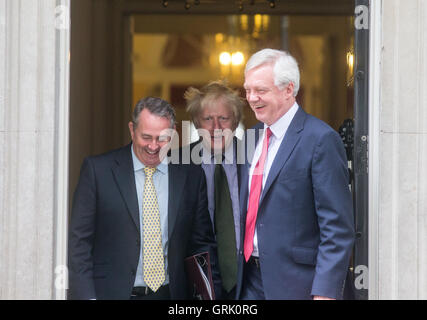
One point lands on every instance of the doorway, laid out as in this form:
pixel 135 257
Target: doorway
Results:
pixel 122 50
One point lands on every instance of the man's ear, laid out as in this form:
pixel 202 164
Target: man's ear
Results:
pixel 290 89
pixel 130 125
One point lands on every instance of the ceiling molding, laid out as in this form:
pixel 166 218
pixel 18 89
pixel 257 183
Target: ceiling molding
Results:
pixel 282 7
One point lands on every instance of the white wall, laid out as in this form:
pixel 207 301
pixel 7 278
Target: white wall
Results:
pixel 33 106
pixel 398 151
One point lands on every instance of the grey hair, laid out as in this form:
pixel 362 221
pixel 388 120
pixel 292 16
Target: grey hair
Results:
pixel 156 106
pixel 285 67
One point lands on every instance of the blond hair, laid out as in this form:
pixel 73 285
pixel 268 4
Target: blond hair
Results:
pixel 197 100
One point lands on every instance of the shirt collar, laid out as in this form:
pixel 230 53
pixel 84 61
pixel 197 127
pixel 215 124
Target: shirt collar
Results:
pixel 280 126
pixel 138 165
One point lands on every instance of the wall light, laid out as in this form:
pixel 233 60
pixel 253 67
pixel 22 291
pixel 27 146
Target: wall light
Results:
pixel 225 58
pixel 350 61
pixel 237 58
pixel 350 66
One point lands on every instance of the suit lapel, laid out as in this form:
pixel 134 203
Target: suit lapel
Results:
pixel 243 191
pixel 237 146
pixel 177 178
pixel 290 140
pixel 125 178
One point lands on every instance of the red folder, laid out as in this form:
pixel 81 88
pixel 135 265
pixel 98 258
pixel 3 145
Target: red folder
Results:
pixel 199 275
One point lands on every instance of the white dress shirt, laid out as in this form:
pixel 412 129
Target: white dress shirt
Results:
pixel 161 184
pixel 278 130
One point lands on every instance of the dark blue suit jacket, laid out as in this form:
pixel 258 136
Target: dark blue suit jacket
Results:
pixel 104 237
pixel 305 218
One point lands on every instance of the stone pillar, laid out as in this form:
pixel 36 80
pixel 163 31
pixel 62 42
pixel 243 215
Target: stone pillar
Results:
pixel 34 41
pixel 398 141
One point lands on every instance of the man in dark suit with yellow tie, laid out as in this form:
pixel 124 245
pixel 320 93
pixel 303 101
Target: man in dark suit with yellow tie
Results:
pixel 135 217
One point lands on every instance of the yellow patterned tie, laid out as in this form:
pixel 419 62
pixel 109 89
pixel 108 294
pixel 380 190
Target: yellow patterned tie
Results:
pixel 154 271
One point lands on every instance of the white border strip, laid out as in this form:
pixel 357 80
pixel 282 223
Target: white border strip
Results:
pixel 62 81
pixel 375 44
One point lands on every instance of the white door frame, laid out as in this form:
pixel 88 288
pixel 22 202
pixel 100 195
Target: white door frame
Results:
pixel 62 152
pixel 62 77
pixel 375 48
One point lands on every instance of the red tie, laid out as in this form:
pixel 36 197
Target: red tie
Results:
pixel 255 193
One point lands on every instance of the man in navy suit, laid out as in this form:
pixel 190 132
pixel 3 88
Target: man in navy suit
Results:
pixel 135 217
pixel 296 207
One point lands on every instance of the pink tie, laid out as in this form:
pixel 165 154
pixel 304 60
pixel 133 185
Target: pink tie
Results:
pixel 256 187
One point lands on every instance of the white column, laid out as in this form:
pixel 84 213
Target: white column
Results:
pixel 33 146
pixel 398 190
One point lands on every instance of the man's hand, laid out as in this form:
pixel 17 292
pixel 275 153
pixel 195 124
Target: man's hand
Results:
pixel 322 298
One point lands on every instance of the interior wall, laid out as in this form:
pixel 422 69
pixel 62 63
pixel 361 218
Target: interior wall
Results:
pixel 80 86
pixel 96 116
pixel 325 42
